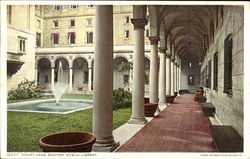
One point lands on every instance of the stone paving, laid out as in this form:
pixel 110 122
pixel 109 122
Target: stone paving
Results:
pixel 181 127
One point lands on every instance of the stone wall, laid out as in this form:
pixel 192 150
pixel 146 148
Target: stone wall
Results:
pixel 229 108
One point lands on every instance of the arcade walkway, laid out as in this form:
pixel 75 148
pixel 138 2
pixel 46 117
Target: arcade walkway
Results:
pixel 181 127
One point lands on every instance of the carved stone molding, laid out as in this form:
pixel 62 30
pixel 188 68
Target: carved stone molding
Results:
pixel 139 23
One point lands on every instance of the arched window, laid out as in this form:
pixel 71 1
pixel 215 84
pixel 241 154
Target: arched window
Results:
pixel 228 49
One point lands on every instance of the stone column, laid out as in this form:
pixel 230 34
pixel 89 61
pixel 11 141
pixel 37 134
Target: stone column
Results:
pixel 89 79
pixel 153 75
pixel 162 77
pixel 168 74
pixel 70 78
pixel 36 74
pixel 179 76
pixel 52 78
pixel 103 80
pixel 172 76
pixel 138 116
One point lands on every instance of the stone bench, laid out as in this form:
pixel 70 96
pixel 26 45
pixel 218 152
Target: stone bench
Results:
pixel 208 109
pixel 226 139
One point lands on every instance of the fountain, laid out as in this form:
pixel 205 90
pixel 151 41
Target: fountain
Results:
pixel 59 87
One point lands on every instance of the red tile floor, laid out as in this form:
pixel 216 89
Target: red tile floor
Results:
pixel 181 127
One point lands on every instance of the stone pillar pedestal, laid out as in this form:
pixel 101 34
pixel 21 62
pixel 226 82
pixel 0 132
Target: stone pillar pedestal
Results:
pixel 172 76
pixel 52 78
pixel 168 74
pixel 70 78
pixel 89 79
pixel 162 77
pixel 103 81
pixel 138 116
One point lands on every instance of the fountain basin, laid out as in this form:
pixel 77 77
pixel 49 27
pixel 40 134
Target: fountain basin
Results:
pixel 49 106
pixel 67 142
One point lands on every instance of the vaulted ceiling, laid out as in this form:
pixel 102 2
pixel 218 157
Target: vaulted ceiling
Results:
pixel 185 27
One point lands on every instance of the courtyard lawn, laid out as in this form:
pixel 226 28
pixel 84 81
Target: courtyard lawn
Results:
pixel 65 96
pixel 25 129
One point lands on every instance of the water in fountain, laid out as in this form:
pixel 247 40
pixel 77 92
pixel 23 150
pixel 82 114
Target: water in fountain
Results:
pixel 59 87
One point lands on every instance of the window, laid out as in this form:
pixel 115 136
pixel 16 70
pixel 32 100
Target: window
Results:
pixel 228 46
pixel 55 38
pixel 38 39
pixel 209 74
pixel 216 71
pixel 22 44
pixel 147 32
pixel 38 23
pixel 71 37
pixel 125 79
pixel 72 22
pixel 89 37
pixel 57 7
pixel 190 79
pixel 73 6
pixel 126 19
pixel 90 6
pixel 36 6
pixel 190 64
pixel 126 33
pixel 89 21
pixel 55 23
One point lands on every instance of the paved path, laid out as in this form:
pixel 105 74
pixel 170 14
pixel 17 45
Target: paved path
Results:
pixel 181 127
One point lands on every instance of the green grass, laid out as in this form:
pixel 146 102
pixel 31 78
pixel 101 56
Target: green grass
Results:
pixel 65 96
pixel 25 129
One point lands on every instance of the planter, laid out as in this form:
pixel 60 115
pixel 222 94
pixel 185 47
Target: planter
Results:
pixel 170 99
pixel 79 88
pixel 50 91
pixel 202 99
pixel 150 109
pixel 175 94
pixel 146 100
pixel 67 142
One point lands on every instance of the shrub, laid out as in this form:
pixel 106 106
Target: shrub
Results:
pixel 121 98
pixel 26 89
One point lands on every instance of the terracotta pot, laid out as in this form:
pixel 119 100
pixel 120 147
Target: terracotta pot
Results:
pixel 79 88
pixel 175 94
pixel 150 109
pixel 146 100
pixel 170 99
pixel 67 142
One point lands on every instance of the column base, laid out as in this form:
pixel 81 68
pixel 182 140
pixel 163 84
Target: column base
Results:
pixel 157 111
pixel 138 120
pixel 101 146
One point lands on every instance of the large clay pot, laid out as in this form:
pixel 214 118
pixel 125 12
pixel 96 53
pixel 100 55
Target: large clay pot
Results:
pixel 79 88
pixel 146 100
pixel 67 142
pixel 175 94
pixel 150 109
pixel 170 99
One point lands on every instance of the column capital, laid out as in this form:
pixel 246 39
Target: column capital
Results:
pixel 52 67
pixel 90 67
pixel 139 23
pixel 168 55
pixel 162 50
pixel 154 40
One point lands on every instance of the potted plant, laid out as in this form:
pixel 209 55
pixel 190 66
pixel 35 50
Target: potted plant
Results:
pixel 67 142
pixel 170 98
pixel 149 109
pixel 80 88
pixel 146 100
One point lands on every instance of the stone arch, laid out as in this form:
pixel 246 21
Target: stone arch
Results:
pixel 43 66
pixel 60 57
pixel 42 57
pixel 80 72
pixel 65 68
